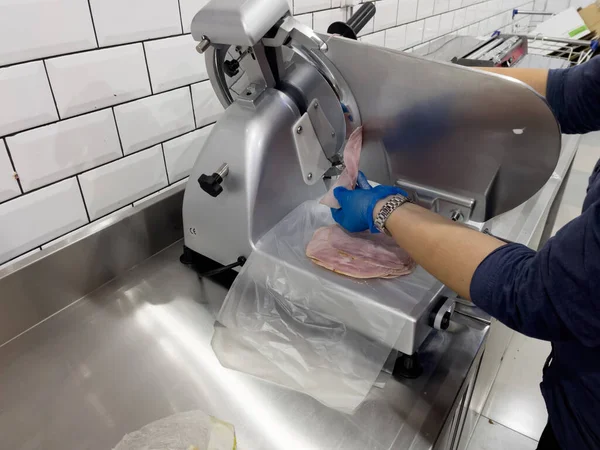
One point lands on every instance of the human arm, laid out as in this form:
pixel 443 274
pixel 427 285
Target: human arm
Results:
pixel 536 78
pixel 573 94
pixel 550 294
pixel 451 252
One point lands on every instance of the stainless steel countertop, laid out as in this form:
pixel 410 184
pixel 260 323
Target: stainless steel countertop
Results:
pixel 138 349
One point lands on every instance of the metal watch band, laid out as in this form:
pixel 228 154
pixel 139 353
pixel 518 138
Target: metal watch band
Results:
pixel 390 206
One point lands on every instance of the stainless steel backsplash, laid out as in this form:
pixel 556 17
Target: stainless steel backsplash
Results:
pixel 38 287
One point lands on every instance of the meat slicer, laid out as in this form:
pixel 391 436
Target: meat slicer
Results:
pixel 467 144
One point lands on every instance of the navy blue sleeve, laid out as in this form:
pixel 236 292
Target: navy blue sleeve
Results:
pixel 552 294
pixel 574 96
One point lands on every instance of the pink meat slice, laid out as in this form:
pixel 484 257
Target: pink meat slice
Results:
pixel 350 174
pixel 360 255
pixel 378 249
pixel 323 254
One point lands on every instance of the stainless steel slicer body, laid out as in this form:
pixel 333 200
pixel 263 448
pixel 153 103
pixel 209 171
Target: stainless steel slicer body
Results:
pixel 467 144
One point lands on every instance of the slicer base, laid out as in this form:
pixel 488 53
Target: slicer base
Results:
pixel 201 265
pixel 407 366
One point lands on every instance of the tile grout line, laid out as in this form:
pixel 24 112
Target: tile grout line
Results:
pixel 83 199
pixel 8 261
pixel 17 178
pixel 450 32
pixel 189 86
pixel 54 239
pixel 193 109
pixel 89 50
pixel 54 122
pixel 51 91
pixel 180 15
pixel 446 12
pixel 164 157
pixel 147 69
pixel 170 185
pixel 93 24
pixel 31 191
pixel 118 132
pixel 186 34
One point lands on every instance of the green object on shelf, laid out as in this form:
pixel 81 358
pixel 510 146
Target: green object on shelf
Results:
pixel 576 31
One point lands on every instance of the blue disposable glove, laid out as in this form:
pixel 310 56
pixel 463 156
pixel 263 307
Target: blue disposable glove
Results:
pixel 356 212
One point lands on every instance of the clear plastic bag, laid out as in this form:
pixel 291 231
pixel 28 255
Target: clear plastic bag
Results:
pixel 291 322
pixel 184 431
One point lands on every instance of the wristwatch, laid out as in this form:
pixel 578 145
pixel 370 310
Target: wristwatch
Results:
pixel 390 206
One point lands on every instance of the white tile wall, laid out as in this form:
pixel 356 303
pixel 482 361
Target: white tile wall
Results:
pixel 151 120
pixel 19 258
pixel 303 6
pixel 25 98
pixel 74 236
pixel 33 219
pixel 441 6
pixel 207 107
pixel 189 8
pixel 432 26
pixel 395 38
pixel 174 62
pixel 407 11
pixel 306 19
pixel 148 88
pixel 460 18
pixel 178 186
pixel 425 8
pixel 31 29
pixel 557 5
pixel 446 21
pixel 47 154
pixel 120 21
pixel 92 80
pixel 9 187
pixel 375 38
pixel 120 183
pixel 322 19
pixel 181 153
pixel 387 12
pixel 414 33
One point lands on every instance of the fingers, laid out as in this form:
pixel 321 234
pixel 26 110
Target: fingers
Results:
pixel 336 214
pixel 362 182
pixel 347 112
pixel 341 194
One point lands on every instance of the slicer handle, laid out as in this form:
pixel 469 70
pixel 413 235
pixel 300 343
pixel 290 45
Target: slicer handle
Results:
pixel 355 23
pixel 211 184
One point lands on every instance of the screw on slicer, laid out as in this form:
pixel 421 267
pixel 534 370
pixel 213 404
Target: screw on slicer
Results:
pixel 456 216
pixel 299 129
pixel 309 176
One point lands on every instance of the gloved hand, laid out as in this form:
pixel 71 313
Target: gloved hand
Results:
pixel 356 212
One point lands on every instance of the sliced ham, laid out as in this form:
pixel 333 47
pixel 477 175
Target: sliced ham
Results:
pixel 349 176
pixel 359 255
